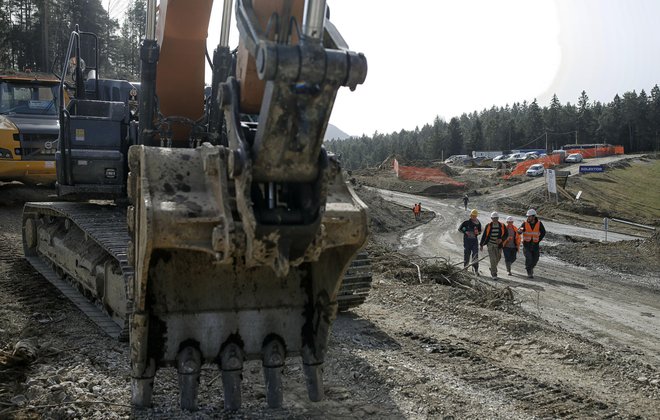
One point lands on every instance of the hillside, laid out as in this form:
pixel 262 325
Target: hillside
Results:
pixel 334 133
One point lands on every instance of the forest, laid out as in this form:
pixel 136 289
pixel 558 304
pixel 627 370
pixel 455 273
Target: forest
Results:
pixel 34 35
pixel 631 120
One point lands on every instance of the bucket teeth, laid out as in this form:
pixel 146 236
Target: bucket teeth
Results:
pixel 142 385
pixel 274 355
pixel 314 381
pixel 231 364
pixel 189 366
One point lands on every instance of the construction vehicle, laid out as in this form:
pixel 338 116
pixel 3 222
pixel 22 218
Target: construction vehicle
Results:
pixel 28 126
pixel 238 230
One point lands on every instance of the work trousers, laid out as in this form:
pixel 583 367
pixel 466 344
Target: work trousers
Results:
pixel 531 252
pixel 471 247
pixel 510 255
pixel 494 254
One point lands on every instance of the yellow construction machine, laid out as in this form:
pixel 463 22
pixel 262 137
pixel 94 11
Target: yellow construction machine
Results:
pixel 28 126
pixel 239 226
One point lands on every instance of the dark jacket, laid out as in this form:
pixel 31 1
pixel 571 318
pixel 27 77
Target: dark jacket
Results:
pixel 468 227
pixel 486 236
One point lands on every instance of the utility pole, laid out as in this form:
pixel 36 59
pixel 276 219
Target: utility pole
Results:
pixel 44 39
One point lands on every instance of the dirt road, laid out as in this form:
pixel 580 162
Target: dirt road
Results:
pixel 601 305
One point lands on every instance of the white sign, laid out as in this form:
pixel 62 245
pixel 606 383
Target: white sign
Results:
pixel 551 180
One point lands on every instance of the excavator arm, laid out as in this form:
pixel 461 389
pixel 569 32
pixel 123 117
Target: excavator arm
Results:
pixel 240 231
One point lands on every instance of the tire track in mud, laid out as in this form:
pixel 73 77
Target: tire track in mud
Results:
pixel 531 395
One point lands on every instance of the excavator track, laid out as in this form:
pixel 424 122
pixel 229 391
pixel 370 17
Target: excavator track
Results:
pixel 357 283
pixel 103 229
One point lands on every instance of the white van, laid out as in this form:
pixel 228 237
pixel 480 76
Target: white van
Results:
pixel 456 158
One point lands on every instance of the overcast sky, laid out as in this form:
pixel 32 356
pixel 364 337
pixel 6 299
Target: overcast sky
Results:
pixel 431 58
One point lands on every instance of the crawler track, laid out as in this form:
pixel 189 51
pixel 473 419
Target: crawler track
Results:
pixel 106 226
pixel 357 283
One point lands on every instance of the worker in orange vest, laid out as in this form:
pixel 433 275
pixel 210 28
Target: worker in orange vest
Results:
pixel 532 231
pixel 494 235
pixel 417 210
pixel 511 244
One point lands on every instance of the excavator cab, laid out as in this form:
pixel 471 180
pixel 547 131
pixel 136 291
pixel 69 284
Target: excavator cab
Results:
pixel 93 140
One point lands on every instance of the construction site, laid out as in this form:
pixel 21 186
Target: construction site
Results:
pixel 431 341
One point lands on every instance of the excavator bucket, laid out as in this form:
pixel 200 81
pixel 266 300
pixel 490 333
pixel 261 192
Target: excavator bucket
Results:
pixel 197 299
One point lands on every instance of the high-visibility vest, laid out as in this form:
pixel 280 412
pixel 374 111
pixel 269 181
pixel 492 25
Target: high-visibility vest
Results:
pixel 502 228
pixel 513 235
pixel 532 234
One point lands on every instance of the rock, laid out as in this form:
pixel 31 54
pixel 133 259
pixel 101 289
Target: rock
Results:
pixel 26 350
pixel 370 409
pixel 642 379
pixel 655 382
pixel 19 400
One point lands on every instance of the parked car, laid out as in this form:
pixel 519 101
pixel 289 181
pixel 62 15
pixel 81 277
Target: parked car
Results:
pixel 531 155
pixel 500 158
pixel 515 157
pixel 536 170
pixel 574 158
pixel 456 159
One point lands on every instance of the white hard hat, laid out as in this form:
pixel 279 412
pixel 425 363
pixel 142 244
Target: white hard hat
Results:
pixel 494 215
pixel 509 219
pixel 531 212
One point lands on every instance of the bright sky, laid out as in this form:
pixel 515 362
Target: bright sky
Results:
pixel 431 58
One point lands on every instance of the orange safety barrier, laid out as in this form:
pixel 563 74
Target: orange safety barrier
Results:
pixel 594 152
pixel 521 168
pixel 552 160
pixel 414 173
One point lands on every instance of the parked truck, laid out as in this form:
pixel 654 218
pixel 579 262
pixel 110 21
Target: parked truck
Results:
pixel 28 126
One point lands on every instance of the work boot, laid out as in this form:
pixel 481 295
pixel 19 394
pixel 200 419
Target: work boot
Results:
pixel 508 268
pixel 530 274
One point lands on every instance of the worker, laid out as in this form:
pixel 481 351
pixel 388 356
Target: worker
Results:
pixel 471 229
pixel 417 210
pixel 532 231
pixel 466 200
pixel 494 235
pixel 511 244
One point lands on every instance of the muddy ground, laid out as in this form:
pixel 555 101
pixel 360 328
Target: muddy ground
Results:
pixel 429 342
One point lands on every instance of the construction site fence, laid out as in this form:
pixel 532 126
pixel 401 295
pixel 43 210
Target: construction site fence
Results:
pixel 415 173
pixel 551 161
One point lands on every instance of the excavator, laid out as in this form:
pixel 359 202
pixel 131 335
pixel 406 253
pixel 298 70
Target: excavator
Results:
pixel 208 229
